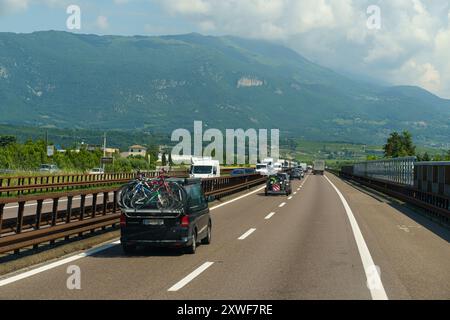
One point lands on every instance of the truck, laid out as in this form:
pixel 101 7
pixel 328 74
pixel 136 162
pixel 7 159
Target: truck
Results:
pixel 266 167
pixel 304 166
pixel 319 167
pixel 204 168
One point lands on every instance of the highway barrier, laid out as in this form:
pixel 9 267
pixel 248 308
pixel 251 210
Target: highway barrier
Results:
pixel 24 185
pixel 13 186
pixel 48 222
pixel 435 204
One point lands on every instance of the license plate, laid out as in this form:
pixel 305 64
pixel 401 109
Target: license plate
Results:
pixel 153 222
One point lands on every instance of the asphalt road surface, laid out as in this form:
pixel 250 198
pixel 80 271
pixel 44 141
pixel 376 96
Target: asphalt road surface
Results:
pixel 322 243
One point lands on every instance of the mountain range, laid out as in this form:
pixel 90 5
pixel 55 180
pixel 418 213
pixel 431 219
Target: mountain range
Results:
pixel 67 80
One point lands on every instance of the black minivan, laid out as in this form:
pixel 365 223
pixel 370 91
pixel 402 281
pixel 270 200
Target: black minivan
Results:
pixel 183 228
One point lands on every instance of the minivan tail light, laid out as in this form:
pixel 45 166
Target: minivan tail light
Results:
pixel 185 221
pixel 123 220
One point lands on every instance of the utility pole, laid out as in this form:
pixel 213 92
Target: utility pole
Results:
pixel 46 144
pixel 104 149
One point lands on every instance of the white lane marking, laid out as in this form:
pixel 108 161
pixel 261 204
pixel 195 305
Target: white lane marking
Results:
pixel 295 192
pixel 236 199
pixel 270 215
pixel 248 233
pixel 191 276
pixel 377 292
pixel 282 205
pixel 58 263
pixel 290 198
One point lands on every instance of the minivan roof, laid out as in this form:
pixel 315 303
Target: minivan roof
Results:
pixel 185 181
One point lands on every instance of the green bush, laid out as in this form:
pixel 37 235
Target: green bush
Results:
pixel 30 155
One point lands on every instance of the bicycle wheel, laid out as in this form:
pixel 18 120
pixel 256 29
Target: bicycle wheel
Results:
pixel 165 200
pixel 179 195
pixel 142 199
pixel 125 196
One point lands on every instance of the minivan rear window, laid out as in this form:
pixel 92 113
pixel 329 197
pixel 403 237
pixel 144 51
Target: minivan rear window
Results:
pixel 196 197
pixel 202 169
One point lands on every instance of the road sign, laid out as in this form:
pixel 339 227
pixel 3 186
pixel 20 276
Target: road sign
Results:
pixel 106 160
pixel 50 151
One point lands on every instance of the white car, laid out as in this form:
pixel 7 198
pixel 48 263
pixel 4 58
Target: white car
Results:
pixel 97 171
pixel 50 168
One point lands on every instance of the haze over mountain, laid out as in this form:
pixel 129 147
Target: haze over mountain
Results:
pixel 162 83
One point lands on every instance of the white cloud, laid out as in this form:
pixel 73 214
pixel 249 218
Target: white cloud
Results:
pixel 15 6
pixel 187 7
pixel 11 6
pixel 414 39
pixel 424 75
pixel 102 23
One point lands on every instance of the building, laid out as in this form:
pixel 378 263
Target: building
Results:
pixel 176 159
pixel 111 151
pixel 136 150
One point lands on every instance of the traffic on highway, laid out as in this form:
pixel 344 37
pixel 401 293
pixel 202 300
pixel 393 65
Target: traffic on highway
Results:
pixel 224 159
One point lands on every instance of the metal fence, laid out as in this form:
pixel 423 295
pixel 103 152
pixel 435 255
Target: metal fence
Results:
pixel 29 220
pixel 433 177
pixel 399 170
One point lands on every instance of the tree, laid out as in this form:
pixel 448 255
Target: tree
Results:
pixel 447 156
pixel 7 140
pixel 399 145
pixel 170 160
pixel 164 160
pixel 425 157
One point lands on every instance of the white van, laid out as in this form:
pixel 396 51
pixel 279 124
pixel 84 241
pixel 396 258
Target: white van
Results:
pixel 204 168
pixel 278 166
pixel 265 168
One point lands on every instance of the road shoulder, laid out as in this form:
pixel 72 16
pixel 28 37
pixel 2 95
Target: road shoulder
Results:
pixel 412 252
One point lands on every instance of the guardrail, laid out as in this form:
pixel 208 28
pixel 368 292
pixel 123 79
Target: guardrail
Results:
pixel 220 187
pixel 398 170
pixel 48 225
pixel 11 186
pixel 434 204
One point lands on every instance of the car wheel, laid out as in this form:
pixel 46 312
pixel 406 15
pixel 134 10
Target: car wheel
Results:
pixel 207 240
pixel 128 248
pixel 193 247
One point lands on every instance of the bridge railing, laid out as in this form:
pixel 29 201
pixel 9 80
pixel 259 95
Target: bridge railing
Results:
pixel 424 184
pixel 65 214
pixel 433 177
pixel 23 185
pixel 398 170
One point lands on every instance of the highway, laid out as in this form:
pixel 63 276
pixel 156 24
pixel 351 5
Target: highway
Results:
pixel 322 243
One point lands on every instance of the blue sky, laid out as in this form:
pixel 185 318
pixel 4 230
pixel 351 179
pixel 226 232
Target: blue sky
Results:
pixel 410 47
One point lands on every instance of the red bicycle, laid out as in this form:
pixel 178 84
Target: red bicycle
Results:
pixel 153 193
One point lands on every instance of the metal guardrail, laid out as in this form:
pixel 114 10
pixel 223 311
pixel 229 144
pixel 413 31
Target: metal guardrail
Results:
pixel 25 230
pixel 398 170
pixel 434 204
pixel 11 186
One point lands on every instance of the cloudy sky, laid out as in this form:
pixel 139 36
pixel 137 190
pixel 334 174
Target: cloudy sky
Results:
pixel 410 47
